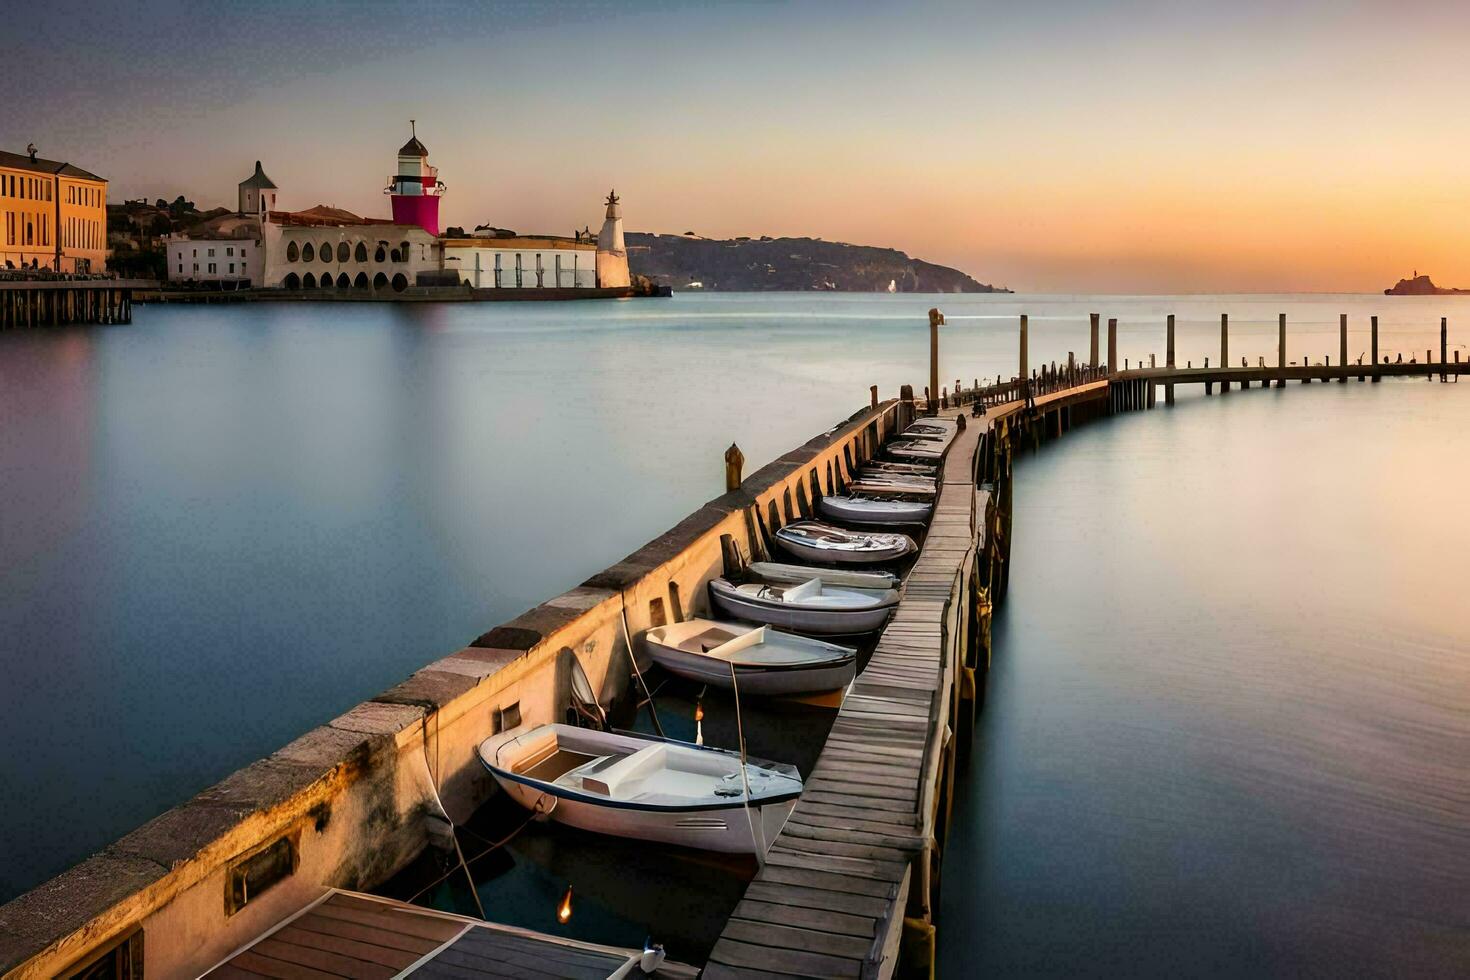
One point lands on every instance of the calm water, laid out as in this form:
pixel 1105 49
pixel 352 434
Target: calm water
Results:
pixel 1228 726
pixel 222 526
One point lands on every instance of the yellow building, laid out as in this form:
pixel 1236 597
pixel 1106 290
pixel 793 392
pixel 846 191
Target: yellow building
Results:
pixel 52 215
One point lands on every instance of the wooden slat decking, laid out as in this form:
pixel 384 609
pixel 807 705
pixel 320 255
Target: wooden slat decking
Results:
pixel 830 898
pixel 344 934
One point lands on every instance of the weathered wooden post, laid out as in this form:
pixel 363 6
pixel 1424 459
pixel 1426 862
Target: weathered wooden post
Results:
pixel 1025 363
pixel 936 319
pixel 1342 347
pixel 1444 336
pixel 1376 376
pixel 1092 358
pixel 1224 348
pixel 873 396
pixel 734 460
pixel 1281 350
pixel 1112 346
pixel 1169 359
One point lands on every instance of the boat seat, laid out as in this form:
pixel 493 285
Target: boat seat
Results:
pixel 616 779
pixel 710 639
pixel 809 589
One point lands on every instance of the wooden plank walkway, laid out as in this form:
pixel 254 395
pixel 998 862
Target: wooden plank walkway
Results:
pixel 345 934
pixel 830 899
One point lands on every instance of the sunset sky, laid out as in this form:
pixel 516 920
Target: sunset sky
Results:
pixel 1057 146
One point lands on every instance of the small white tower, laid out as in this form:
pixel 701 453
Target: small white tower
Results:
pixel 257 194
pixel 612 254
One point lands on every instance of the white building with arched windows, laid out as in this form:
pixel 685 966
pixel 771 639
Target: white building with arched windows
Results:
pixel 330 249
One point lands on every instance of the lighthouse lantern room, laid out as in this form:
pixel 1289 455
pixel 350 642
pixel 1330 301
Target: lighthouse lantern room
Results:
pixel 416 188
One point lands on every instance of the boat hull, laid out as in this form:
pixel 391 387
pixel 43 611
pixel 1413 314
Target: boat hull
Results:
pixel 801 548
pixel 726 829
pixel 868 511
pixel 766 681
pixel 827 622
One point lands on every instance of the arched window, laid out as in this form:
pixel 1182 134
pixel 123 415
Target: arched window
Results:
pixel 380 254
pixel 403 251
pixel 307 252
pixel 395 256
pixel 292 281
pixel 325 252
pixel 343 282
pixel 344 252
pixel 360 255
pixel 326 280
pixel 310 281
pixel 400 283
pixel 292 252
pixel 361 282
pixel 379 281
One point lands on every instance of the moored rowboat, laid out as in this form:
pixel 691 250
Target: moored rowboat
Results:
pixel 766 661
pixel 870 510
pixel 644 787
pixel 810 607
pixel 821 542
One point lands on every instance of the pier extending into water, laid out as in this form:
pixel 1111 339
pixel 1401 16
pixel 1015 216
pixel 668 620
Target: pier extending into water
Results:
pixel 27 303
pixel 850 886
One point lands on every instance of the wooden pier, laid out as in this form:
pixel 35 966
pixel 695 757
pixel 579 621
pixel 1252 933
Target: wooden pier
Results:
pixel 31 303
pixel 850 886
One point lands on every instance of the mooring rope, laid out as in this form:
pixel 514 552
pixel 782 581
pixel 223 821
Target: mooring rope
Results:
pixel 756 838
pixel 633 656
pixel 453 835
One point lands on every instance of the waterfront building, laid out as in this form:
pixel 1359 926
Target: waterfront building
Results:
pixel 53 215
pixel 523 262
pixel 332 249
pixel 226 249
pixel 328 248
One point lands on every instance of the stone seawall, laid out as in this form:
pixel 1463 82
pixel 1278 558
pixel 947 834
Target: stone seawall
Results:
pixel 345 804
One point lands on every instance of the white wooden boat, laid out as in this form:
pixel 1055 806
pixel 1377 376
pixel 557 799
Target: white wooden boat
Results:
pixel 783 574
pixel 821 542
pixel 858 509
pixel 913 469
pixel 766 661
pixel 894 485
pixel 629 785
pixel 810 607
pixel 916 449
pixel 930 429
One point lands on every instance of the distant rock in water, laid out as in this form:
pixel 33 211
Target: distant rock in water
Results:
pixel 767 264
pixel 1421 286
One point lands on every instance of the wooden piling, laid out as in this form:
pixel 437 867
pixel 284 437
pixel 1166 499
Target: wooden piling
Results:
pixel 1092 358
pixel 1112 346
pixel 1376 377
pixel 1281 349
pixel 1342 347
pixel 1224 348
pixel 1444 336
pixel 936 319
pixel 873 395
pixel 1169 358
pixel 1025 365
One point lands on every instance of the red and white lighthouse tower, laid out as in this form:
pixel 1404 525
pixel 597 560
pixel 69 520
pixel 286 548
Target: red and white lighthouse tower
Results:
pixel 416 188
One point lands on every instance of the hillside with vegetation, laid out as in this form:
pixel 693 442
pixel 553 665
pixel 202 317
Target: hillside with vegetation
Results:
pixel 768 264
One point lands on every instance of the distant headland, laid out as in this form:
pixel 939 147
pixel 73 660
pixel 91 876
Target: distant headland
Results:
pixel 1421 286
pixel 689 261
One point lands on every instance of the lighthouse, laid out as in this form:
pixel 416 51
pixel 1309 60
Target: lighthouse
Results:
pixel 612 254
pixel 416 188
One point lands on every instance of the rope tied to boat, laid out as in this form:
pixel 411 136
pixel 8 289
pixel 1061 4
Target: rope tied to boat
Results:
pixel 756 837
pixel 453 831
pixel 633 658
